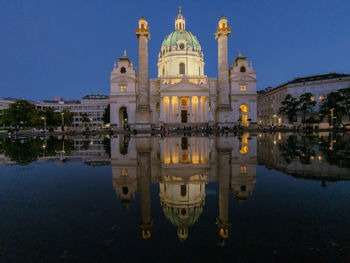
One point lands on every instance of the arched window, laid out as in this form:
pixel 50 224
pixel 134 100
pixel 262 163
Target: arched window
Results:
pixel 182 68
pixel 122 70
pixel 242 69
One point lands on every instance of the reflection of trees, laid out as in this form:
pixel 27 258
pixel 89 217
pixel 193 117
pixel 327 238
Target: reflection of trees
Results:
pixel 292 148
pixel 107 145
pixel 336 149
pixel 27 150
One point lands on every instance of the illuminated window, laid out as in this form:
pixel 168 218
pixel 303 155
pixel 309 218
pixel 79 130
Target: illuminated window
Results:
pixel 321 98
pixel 184 102
pixel 244 149
pixel 243 87
pixel 242 69
pixel 182 68
pixel 122 70
pixel 122 88
pixel 124 172
pixel 243 169
pixel 312 98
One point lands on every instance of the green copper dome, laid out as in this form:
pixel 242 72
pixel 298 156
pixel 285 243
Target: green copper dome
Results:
pixel 173 216
pixel 177 35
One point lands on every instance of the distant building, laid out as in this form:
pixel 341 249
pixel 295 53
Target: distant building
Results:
pixel 269 100
pixel 93 105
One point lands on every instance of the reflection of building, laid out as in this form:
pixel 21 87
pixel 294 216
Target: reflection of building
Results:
pixel 182 94
pixel 305 157
pixel 269 101
pixel 183 166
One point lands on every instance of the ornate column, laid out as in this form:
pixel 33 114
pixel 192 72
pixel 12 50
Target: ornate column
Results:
pixel 170 109
pixel 199 110
pixel 207 109
pixel 143 112
pixel 224 111
pixel 178 110
pixel 191 109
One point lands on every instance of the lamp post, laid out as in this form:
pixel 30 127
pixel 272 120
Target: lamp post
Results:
pixel 44 119
pixel 331 110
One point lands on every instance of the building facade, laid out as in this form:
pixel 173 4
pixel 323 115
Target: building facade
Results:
pixel 182 95
pixel 270 100
pixel 92 106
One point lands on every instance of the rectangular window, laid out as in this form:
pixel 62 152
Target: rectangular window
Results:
pixel 243 87
pixel 122 88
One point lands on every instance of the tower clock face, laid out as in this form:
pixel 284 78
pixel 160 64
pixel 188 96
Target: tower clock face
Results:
pixel 182 46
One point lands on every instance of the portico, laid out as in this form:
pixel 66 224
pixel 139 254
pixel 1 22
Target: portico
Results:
pixel 184 109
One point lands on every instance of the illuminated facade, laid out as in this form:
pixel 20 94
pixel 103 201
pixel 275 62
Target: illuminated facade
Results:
pixel 182 95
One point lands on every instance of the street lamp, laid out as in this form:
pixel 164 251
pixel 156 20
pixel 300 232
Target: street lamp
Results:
pixel 331 110
pixel 44 119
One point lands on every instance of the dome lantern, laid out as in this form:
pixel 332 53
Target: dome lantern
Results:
pixel 180 23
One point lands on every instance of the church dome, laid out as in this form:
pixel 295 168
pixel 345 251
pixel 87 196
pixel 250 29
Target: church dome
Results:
pixel 172 39
pixel 180 54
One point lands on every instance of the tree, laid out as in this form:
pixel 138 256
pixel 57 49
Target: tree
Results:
pixel 18 114
pixel 289 107
pixel 85 118
pixel 306 104
pixel 52 118
pixel 106 115
pixel 345 102
pixel 332 102
pixel 68 117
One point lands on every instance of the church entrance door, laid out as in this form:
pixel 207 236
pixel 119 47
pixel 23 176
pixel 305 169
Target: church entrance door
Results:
pixel 184 116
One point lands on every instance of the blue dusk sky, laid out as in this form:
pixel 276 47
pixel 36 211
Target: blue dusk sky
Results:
pixel 67 48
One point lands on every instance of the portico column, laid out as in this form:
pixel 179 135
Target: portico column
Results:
pixel 191 109
pixel 170 109
pixel 199 109
pixel 178 110
pixel 161 110
pixel 207 110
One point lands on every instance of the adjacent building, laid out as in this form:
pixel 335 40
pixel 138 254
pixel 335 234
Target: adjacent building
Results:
pixel 270 99
pixel 182 94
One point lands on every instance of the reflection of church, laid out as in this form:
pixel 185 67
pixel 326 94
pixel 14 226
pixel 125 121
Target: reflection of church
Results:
pixel 182 94
pixel 182 166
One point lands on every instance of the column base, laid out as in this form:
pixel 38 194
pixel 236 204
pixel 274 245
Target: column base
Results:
pixel 143 119
pixel 224 116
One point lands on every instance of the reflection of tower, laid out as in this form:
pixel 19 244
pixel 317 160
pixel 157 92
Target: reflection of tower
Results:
pixel 123 163
pixel 143 113
pixel 243 178
pixel 224 169
pixel 144 176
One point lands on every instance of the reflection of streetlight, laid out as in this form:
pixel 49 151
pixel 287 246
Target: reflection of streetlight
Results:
pixel 44 119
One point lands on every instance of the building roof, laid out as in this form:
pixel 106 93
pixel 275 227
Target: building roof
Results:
pixel 176 35
pixel 95 97
pixel 309 79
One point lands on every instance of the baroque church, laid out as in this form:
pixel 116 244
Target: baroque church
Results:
pixel 182 95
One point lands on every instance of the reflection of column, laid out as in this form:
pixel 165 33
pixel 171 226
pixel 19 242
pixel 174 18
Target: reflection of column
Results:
pixel 178 110
pixel 161 109
pixel 144 176
pixel 170 109
pixel 199 109
pixel 191 109
pixel 224 169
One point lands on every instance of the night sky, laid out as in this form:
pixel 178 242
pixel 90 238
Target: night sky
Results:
pixel 68 48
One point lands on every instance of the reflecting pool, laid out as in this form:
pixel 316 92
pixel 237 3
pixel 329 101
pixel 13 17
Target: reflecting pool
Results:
pixel 245 198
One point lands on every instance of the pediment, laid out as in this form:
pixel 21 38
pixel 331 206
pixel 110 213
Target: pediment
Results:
pixel 243 79
pixel 184 85
pixel 122 79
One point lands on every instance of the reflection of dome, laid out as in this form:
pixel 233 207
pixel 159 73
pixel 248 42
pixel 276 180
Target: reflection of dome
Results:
pixel 242 186
pixel 183 203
